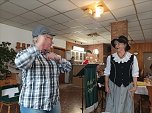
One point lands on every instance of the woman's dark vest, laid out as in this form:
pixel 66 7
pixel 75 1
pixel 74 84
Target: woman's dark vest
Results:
pixel 121 73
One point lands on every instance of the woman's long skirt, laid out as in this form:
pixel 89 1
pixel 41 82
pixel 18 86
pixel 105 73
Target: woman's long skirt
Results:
pixel 120 99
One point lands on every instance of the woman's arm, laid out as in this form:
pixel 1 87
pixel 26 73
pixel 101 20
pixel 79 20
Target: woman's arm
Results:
pixel 135 74
pixel 107 89
pixel 133 89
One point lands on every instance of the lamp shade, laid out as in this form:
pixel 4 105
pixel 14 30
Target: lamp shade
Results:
pixel 96 51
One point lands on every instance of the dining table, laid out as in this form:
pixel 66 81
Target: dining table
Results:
pixel 144 88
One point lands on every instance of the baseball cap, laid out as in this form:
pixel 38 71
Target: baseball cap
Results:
pixel 41 30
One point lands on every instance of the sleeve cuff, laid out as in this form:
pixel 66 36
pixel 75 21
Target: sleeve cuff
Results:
pixel 135 74
pixel 106 74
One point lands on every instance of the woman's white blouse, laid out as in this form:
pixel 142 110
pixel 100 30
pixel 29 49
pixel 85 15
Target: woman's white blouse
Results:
pixel 135 68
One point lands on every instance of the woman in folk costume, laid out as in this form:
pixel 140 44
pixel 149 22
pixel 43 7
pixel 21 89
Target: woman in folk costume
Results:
pixel 121 74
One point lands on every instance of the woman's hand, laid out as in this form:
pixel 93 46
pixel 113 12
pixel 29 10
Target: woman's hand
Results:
pixel 107 89
pixel 133 89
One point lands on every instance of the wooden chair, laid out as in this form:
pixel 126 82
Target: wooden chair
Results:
pixel 11 107
pixel 9 99
pixel 150 96
pixel 102 96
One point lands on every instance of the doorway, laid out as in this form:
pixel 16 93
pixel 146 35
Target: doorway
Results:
pixel 147 61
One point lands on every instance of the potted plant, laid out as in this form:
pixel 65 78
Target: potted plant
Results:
pixel 9 87
pixel 7 56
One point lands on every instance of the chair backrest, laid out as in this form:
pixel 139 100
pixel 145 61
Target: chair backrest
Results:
pixel 9 93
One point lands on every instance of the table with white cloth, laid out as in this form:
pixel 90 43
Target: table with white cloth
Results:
pixel 144 89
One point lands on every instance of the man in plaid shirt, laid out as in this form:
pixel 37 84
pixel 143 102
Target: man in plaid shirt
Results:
pixel 40 74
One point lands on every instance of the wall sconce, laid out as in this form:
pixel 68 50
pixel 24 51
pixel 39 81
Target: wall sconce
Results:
pixel 96 51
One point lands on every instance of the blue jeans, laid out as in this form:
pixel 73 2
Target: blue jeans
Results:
pixel 56 109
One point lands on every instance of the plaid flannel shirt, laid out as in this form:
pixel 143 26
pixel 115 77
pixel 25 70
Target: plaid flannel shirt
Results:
pixel 40 79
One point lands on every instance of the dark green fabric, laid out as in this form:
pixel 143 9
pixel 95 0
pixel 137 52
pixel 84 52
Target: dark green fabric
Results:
pixel 6 98
pixel 90 84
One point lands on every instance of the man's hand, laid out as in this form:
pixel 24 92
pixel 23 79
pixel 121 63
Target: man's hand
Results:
pixel 53 56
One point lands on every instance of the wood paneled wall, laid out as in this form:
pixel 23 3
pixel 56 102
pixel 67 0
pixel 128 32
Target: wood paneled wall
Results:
pixel 141 48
